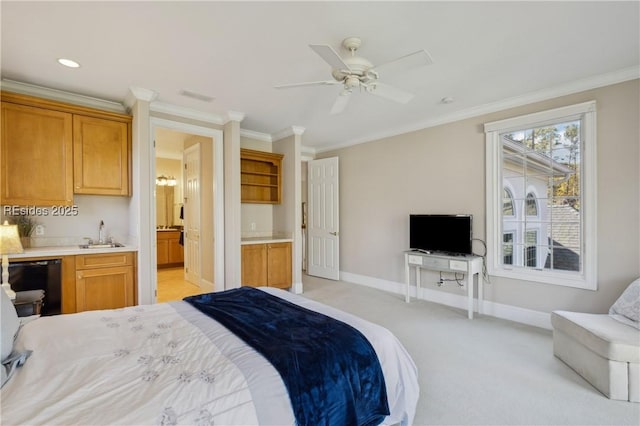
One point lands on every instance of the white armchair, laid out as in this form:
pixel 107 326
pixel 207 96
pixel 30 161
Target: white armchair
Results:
pixel 604 348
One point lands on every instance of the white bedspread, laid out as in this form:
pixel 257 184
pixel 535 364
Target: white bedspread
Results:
pixel 168 364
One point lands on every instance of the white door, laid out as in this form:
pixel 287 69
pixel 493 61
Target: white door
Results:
pixel 323 230
pixel 192 256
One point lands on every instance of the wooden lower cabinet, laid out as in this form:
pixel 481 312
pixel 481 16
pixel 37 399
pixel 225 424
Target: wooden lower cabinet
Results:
pixel 267 265
pixel 105 281
pixel 169 250
pixel 254 265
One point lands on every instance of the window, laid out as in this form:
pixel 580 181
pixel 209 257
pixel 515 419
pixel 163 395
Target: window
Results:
pixel 530 249
pixel 531 205
pixel 507 203
pixel 541 189
pixel 507 248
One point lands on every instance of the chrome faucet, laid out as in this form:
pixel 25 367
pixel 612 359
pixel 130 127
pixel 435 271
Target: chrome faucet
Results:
pixel 101 233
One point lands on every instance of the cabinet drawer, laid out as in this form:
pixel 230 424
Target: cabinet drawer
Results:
pixel 167 235
pixel 103 260
pixel 435 263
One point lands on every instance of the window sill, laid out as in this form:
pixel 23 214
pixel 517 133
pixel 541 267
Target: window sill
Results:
pixel 569 279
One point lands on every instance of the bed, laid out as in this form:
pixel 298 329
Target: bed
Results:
pixel 174 363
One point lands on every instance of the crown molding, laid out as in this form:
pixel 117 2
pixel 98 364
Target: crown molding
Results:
pixel 265 137
pixel 234 116
pixel 298 130
pixel 139 94
pixel 572 87
pixel 289 131
pixel 183 112
pixel 307 153
pixel 61 96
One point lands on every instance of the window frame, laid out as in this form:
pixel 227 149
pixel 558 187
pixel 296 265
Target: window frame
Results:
pixel 586 278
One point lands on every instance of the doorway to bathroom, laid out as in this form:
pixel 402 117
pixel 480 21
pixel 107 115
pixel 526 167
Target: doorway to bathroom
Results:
pixel 188 209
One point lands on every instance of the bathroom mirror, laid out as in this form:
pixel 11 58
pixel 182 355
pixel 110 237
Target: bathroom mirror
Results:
pixel 164 206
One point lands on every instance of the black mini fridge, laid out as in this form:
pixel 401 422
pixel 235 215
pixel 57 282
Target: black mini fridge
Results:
pixel 39 275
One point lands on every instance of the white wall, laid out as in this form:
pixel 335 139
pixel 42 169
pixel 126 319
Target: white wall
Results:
pixel 287 215
pixel 69 230
pixel 442 170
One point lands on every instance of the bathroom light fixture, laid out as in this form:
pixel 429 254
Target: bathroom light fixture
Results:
pixel 163 180
pixel 68 63
pixel 9 244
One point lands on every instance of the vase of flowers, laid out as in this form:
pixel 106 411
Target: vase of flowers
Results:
pixel 26 226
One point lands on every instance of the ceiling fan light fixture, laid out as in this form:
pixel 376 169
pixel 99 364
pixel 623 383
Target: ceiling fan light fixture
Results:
pixel 355 71
pixel 351 82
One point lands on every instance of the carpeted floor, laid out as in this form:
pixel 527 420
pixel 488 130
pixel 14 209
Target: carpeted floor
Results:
pixel 485 371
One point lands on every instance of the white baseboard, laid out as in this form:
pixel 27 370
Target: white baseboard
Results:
pixel 296 288
pixel 498 310
pixel 207 286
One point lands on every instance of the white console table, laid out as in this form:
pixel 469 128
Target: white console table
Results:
pixel 470 266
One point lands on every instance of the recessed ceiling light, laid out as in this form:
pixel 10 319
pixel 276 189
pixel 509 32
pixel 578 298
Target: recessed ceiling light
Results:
pixel 68 63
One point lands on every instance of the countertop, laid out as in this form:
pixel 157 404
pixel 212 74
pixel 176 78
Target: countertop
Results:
pixel 69 251
pixel 265 239
pixel 72 250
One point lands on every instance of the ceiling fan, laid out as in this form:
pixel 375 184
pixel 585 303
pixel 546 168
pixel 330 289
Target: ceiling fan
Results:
pixel 356 72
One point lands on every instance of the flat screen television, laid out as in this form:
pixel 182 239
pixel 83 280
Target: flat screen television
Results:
pixel 441 233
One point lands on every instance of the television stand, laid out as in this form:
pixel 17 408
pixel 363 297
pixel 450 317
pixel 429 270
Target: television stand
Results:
pixel 470 266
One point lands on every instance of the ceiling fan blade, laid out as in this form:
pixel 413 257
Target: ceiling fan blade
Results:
pixel 309 83
pixel 341 102
pixel 412 60
pixel 330 56
pixel 389 92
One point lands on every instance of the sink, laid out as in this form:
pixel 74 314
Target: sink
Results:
pixel 98 246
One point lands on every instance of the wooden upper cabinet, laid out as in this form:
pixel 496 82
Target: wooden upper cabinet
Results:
pixel 36 156
pixel 51 150
pixel 260 177
pixel 100 156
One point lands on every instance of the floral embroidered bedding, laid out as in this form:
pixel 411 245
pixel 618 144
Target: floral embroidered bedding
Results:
pixel 170 364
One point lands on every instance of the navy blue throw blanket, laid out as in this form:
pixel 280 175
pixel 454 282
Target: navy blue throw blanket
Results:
pixel 330 369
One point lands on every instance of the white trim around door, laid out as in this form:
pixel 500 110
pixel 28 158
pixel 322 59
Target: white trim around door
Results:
pixel 218 199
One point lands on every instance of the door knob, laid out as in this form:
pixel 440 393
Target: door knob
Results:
pixel 334 233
